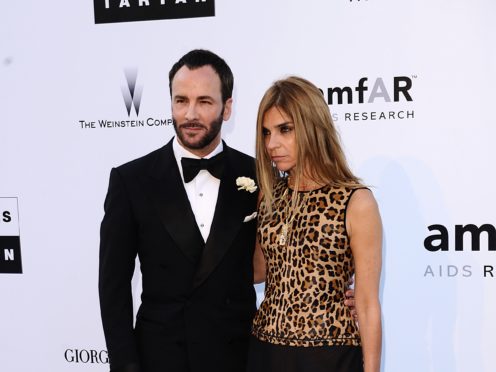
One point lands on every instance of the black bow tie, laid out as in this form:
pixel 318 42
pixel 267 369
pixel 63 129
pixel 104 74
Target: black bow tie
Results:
pixel 191 167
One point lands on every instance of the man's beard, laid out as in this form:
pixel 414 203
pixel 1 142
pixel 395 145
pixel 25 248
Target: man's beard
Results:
pixel 206 139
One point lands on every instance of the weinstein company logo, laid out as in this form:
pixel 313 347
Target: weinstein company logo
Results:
pixel 131 93
pixel 464 238
pixel 394 95
pixel 111 11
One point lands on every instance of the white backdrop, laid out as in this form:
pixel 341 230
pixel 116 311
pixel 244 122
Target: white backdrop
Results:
pixel 59 72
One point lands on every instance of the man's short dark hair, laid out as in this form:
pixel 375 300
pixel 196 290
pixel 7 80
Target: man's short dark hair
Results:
pixel 198 58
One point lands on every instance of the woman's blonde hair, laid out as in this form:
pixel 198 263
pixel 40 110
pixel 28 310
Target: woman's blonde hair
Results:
pixel 319 153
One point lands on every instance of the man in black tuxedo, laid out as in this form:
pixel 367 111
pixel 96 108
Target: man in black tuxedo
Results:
pixel 194 233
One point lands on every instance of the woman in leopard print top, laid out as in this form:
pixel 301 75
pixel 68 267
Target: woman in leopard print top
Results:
pixel 317 227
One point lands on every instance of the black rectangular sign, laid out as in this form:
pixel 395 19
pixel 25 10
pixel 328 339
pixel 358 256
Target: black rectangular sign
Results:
pixel 10 255
pixel 110 11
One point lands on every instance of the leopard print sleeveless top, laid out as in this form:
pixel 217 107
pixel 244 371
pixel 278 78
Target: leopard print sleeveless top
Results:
pixel 306 277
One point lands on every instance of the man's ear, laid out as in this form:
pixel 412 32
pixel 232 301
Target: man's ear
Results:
pixel 227 109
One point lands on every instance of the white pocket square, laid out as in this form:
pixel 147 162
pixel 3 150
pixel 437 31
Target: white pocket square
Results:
pixel 250 217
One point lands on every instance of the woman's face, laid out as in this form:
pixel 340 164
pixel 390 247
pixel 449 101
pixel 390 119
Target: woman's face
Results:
pixel 278 132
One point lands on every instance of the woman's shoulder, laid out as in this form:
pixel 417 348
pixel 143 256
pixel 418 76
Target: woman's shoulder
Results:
pixel 348 196
pixel 362 202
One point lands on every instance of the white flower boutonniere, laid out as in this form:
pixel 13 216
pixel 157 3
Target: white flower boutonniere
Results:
pixel 246 183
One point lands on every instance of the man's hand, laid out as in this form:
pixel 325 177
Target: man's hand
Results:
pixel 350 302
pixel 350 299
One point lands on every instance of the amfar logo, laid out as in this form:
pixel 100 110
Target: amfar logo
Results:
pixel 396 90
pixel 442 237
pixel 439 241
pixel 10 241
pixel 86 356
pixel 131 92
pixel 400 89
pixel 110 11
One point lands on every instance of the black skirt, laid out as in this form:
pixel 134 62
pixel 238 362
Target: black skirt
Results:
pixel 267 357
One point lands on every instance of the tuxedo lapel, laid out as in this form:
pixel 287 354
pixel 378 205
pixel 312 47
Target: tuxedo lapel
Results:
pixel 171 201
pixel 228 218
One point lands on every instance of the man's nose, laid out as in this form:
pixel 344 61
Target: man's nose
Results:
pixel 191 112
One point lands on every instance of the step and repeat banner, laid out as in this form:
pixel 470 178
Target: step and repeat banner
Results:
pixel 410 84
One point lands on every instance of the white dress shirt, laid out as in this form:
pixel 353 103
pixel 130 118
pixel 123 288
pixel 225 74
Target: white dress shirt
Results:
pixel 202 191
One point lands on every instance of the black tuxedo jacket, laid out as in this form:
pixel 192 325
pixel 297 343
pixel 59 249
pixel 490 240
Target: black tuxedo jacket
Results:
pixel 197 299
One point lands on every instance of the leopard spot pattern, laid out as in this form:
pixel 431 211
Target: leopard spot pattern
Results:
pixel 308 276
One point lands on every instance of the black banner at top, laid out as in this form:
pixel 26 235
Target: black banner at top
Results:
pixel 110 11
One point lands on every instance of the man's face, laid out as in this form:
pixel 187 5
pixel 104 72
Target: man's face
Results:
pixel 197 108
